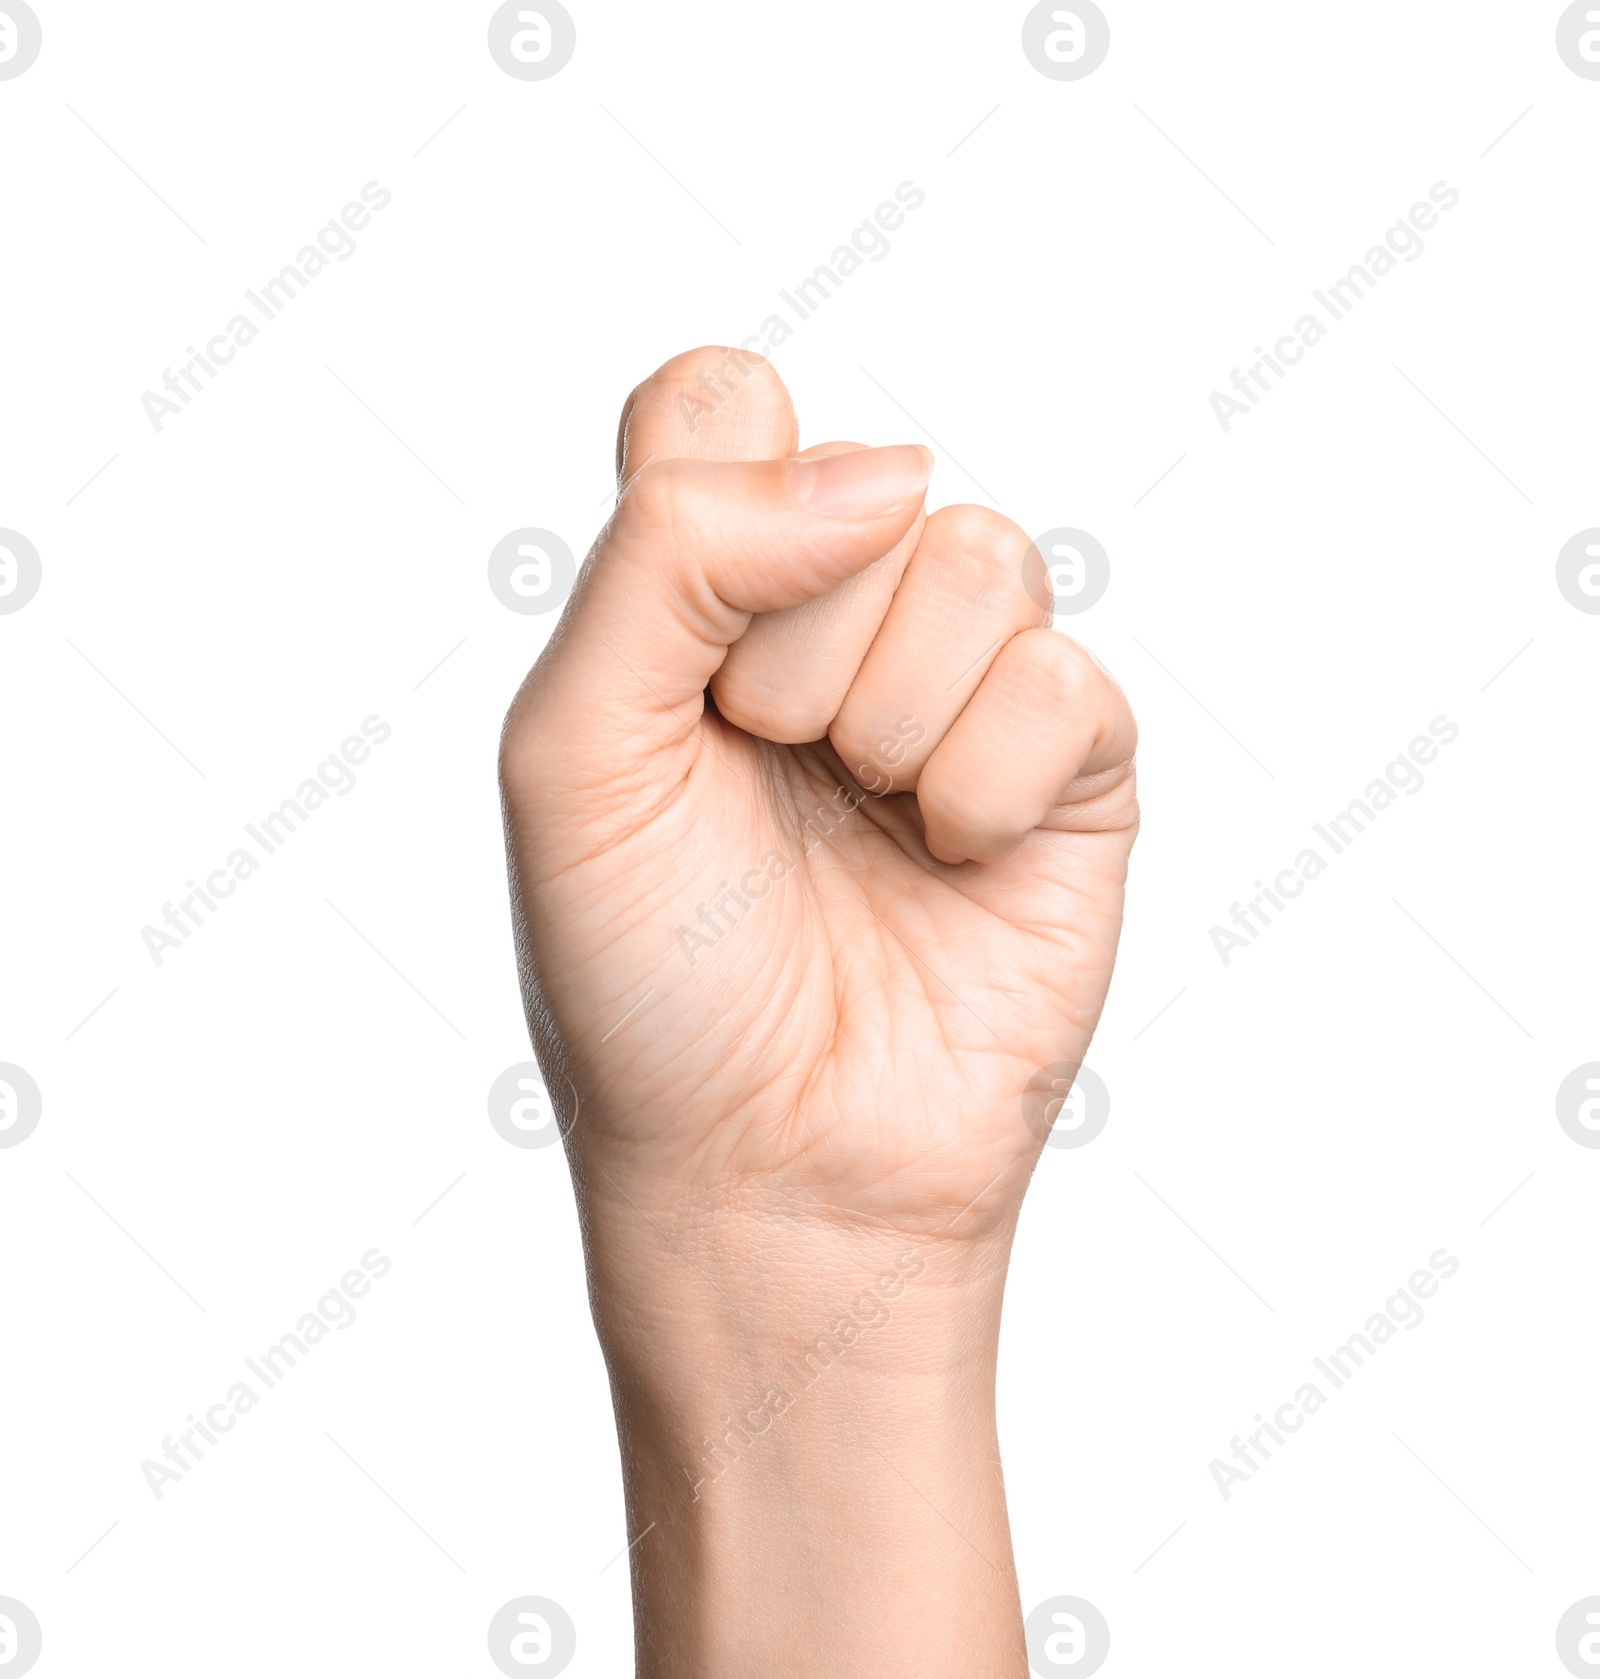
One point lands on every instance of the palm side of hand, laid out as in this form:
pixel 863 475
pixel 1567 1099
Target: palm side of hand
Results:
pixel 756 978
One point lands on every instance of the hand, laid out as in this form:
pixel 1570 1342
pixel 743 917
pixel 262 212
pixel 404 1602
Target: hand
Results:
pixel 806 948
pixel 792 954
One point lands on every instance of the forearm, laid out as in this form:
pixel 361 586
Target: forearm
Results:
pixel 807 1427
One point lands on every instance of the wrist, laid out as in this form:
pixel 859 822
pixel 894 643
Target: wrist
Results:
pixel 688 1280
pixel 803 1401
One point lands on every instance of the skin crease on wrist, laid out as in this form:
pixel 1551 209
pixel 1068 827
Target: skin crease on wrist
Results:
pixel 817 836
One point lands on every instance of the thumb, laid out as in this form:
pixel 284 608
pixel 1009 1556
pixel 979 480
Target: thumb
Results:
pixel 693 551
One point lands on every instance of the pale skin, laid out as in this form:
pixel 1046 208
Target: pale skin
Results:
pixel 818 837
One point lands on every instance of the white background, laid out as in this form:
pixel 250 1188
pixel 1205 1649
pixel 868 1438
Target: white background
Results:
pixel 274 566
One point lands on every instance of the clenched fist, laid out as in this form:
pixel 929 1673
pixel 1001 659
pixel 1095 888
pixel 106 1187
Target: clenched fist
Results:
pixel 818 836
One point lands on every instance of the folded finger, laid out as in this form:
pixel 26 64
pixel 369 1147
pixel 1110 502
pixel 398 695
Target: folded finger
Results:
pixel 962 598
pixel 1046 741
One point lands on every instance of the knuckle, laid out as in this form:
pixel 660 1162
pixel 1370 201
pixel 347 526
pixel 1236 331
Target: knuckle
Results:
pixel 990 548
pixel 882 754
pixel 750 700
pixel 1072 685
pixel 659 501
pixel 1065 672
pixel 983 828
pixel 1069 680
